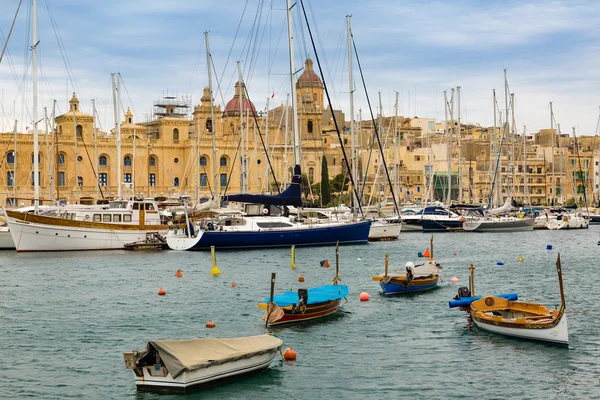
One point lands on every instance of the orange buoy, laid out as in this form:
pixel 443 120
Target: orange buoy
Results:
pixel 301 278
pixel 454 254
pixel 210 324
pixel 233 284
pixel 289 354
pixel 161 292
pixel 326 264
pixel 364 296
pixel 179 274
pixel 454 279
pixel 426 254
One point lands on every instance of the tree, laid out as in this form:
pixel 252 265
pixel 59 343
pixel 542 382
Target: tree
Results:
pixel 339 183
pixel 325 187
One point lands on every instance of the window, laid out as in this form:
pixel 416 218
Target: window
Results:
pixel 152 179
pixel 203 179
pixel 61 159
pixel 79 181
pixel 10 178
pixel 33 158
pixel 223 162
pixel 61 178
pixel 103 179
pixel 418 189
pixel 33 177
pixel 176 181
pixel 97 218
pixel 153 161
pixel 203 161
pixel 309 127
pixel 127 178
pixel 223 180
pixel 106 218
pixel 79 130
pixel 127 161
pixel 103 161
pixel 311 174
pixel 175 135
pixel 10 157
pixel 127 218
pixel 116 217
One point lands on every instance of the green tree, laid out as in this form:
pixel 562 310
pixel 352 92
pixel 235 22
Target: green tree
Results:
pixel 339 183
pixel 325 187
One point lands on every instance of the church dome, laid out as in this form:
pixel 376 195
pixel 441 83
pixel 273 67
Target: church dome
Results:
pixel 309 78
pixel 232 109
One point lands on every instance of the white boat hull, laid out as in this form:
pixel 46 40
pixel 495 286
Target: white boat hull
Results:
pixel 570 222
pixel 558 334
pixel 384 231
pixel 191 380
pixel 28 236
pixel 500 225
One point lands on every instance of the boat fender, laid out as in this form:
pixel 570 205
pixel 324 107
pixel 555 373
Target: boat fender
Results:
pixel 265 211
pixel 462 219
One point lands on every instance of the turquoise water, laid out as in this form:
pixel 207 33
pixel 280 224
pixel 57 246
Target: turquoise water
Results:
pixel 66 319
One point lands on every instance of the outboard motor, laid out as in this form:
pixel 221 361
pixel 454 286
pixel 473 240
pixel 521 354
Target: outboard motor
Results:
pixel 302 299
pixel 463 291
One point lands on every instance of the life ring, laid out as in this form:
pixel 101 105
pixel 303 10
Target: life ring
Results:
pixel 265 211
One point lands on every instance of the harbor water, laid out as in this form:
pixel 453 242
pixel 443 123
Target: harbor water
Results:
pixel 67 318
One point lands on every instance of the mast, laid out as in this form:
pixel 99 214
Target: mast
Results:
pixel 117 131
pixel 496 141
pixel 553 189
pixel 352 133
pixel 76 155
pixel 506 119
pixel 513 156
pixel 396 174
pixel 47 122
pixel 52 177
pixel 15 164
pixel 525 189
pixel 448 150
pixel 460 180
pixel 212 118
pixel 95 143
pixel 132 162
pixel 36 149
pixel 293 86
pixel 241 127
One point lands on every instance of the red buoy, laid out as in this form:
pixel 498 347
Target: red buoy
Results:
pixel 364 296
pixel 233 285
pixel 289 354
pixel 301 278
pixel 179 274
pixel 210 324
pixel 161 292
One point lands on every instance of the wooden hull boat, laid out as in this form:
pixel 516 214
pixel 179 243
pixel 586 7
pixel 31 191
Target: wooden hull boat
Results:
pixel 521 319
pixel 418 278
pixel 187 365
pixel 291 314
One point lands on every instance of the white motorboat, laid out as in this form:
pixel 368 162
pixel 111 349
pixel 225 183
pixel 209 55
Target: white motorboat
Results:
pixel 568 221
pixel 384 230
pixel 85 228
pixel 186 365
pixel 498 224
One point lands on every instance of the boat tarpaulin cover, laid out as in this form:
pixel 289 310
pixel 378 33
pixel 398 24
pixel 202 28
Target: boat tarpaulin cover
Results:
pixel 292 196
pixel 188 355
pixel 319 294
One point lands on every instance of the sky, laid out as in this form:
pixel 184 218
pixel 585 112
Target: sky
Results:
pixel 550 49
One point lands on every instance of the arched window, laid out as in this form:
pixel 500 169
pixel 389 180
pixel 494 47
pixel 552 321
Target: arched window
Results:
pixel 127 161
pixel 10 157
pixel 203 161
pixel 33 158
pixel 79 130
pixel 62 158
pixel 175 135
pixel 223 161
pixel 311 175
pixel 176 181
pixel 152 161
pixel 103 161
pixel 309 126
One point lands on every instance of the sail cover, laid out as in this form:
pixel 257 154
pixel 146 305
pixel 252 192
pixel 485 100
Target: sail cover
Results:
pixel 292 196
pixel 189 355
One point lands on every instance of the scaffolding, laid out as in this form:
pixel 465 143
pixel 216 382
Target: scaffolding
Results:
pixel 172 105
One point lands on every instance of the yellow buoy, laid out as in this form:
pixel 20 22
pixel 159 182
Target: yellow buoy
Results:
pixel 520 259
pixel 214 271
pixel 293 266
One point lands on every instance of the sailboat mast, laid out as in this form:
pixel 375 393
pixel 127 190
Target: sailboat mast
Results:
pixel 553 189
pixel 460 180
pixel 496 150
pixel 96 144
pixel 525 189
pixel 448 159
pixel 242 142
pixel 293 86
pixel 36 149
pixel 506 119
pixel 117 131
pixel 285 144
pixel 15 164
pixel 351 91
pixel 396 174
pixel 76 155
pixel 513 155
pixel 212 117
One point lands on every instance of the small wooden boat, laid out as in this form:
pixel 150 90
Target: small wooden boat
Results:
pixel 417 278
pixel 522 319
pixel 186 365
pixel 304 304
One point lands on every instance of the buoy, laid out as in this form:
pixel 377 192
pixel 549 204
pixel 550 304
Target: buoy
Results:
pixel 301 278
pixel 454 254
pixel 325 263
pixel 161 292
pixel 233 284
pixel 520 259
pixel 419 254
pixel 548 247
pixel 358 258
pixel 210 324
pixel 179 274
pixel 499 263
pixel 454 279
pixel 426 254
pixel 293 265
pixel 364 296
pixel 214 271
pixel 289 354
